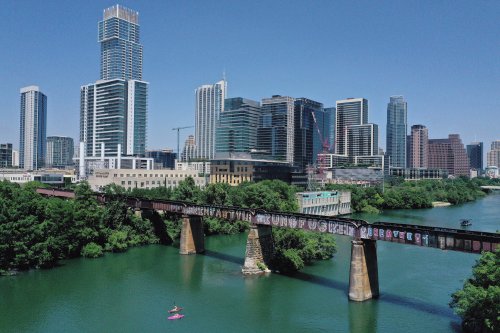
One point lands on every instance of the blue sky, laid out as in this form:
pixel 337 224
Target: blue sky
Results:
pixel 443 56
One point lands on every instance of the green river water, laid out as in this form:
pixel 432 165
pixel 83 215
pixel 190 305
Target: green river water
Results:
pixel 132 291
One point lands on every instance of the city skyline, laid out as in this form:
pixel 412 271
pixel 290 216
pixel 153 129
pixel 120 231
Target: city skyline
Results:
pixel 452 69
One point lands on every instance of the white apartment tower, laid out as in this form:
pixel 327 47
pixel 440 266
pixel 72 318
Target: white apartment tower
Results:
pixel 209 105
pixel 350 112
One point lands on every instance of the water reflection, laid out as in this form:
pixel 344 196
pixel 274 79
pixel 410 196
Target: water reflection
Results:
pixel 363 316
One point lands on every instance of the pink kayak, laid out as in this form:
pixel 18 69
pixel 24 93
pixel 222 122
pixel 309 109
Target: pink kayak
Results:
pixel 176 316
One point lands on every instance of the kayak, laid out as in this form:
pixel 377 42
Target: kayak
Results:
pixel 175 310
pixel 176 316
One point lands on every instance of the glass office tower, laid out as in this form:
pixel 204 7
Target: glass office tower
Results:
pixel 475 155
pixel 396 131
pixel 276 139
pixel 5 155
pixel 121 52
pixel 60 151
pixel 237 130
pixel 311 131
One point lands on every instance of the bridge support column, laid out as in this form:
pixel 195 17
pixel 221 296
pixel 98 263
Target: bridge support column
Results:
pixel 363 279
pixel 192 236
pixel 259 249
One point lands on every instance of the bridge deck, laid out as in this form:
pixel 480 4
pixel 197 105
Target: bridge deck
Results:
pixel 412 234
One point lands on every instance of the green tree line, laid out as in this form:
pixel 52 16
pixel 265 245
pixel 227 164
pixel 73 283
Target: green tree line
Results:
pixel 397 194
pixel 37 231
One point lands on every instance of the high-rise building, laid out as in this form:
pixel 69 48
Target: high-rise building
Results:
pixel 362 140
pixel 60 151
pixel 419 147
pixel 237 129
pixel 330 112
pixel 396 131
pixel 121 51
pixel 475 155
pixel 493 156
pixel 276 135
pixel 209 106
pixel 351 111
pixel 310 131
pixel 113 110
pixel 449 154
pixel 33 128
pixel 189 150
pixel 5 155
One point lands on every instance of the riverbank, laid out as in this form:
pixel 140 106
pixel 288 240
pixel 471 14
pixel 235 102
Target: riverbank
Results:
pixel 416 194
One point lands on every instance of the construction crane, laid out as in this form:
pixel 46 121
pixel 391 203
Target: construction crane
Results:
pixel 178 130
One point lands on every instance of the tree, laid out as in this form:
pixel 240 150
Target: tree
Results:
pixel 187 191
pixel 478 303
pixel 295 248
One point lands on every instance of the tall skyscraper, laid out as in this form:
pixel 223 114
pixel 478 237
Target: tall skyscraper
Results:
pixel 113 110
pixel 351 111
pixel 419 147
pixel 493 156
pixel 33 128
pixel 475 155
pixel 60 151
pixel 121 52
pixel 449 154
pixel 310 129
pixel 5 155
pixel 276 135
pixel 330 112
pixel 237 129
pixel 396 131
pixel 209 106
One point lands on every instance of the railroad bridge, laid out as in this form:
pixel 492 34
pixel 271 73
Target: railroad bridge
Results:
pixel 363 280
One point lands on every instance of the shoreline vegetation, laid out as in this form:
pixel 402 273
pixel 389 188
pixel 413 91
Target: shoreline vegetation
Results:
pixel 37 232
pixel 478 302
pixel 398 194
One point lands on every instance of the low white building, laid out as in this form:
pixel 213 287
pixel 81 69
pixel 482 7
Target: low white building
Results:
pixel 325 203
pixel 142 178
pixel 200 167
pixel 51 177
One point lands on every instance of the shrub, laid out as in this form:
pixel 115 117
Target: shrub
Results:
pixel 92 250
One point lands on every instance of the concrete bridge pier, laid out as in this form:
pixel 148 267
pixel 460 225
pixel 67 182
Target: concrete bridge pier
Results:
pixel 259 249
pixel 192 236
pixel 363 278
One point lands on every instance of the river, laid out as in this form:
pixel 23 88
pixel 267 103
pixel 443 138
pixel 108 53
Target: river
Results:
pixel 131 292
